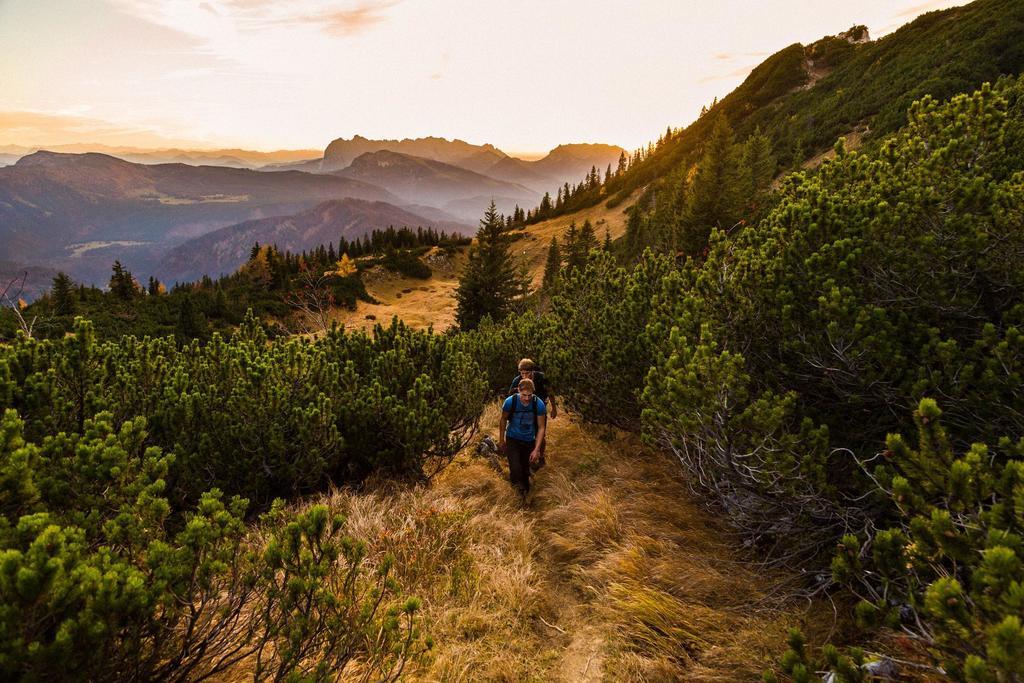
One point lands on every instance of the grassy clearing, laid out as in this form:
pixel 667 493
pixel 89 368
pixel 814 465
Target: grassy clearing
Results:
pixel 612 573
pixel 431 302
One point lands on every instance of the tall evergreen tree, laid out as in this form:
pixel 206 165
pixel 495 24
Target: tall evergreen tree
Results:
pixel 587 241
pixel 492 284
pixel 758 165
pixel 63 295
pixel 552 267
pixel 122 283
pixel 544 210
pixel 716 193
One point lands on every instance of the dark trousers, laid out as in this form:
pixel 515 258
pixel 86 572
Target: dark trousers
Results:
pixel 518 454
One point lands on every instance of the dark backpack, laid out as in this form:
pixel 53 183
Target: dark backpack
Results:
pixel 540 385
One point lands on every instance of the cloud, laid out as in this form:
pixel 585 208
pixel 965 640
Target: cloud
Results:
pixel 727 75
pixel 915 10
pixel 729 56
pixel 33 128
pixel 358 19
pixel 213 20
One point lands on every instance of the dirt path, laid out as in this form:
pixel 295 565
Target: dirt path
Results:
pixel 646 585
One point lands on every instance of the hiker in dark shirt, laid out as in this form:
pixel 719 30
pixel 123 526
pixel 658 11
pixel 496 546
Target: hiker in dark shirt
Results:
pixel 521 433
pixel 528 370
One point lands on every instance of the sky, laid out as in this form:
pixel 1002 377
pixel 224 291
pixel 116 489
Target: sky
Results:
pixel 523 75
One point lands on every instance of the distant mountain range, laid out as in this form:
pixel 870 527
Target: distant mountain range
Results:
pixel 234 158
pixel 455 189
pixel 224 250
pixel 564 164
pixel 79 211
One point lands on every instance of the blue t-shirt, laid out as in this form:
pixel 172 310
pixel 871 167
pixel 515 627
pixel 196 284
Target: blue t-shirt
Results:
pixel 520 423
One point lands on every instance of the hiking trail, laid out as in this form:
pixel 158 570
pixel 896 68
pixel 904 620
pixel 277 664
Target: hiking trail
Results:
pixel 612 572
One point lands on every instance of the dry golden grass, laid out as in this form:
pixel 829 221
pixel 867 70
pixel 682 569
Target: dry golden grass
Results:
pixel 422 303
pixel 612 572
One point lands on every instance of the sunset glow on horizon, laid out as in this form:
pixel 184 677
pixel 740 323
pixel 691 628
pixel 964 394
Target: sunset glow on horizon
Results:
pixel 271 75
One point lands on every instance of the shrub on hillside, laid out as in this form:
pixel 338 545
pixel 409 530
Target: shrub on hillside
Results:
pixel 257 418
pixel 99 581
pixel 596 352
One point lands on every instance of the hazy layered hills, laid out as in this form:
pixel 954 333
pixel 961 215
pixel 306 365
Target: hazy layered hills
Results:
pixel 78 212
pixel 233 157
pixel 49 201
pixel 457 190
pixel 224 250
pixel 564 164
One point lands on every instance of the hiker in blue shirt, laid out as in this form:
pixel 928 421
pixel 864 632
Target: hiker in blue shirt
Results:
pixel 520 433
pixel 528 370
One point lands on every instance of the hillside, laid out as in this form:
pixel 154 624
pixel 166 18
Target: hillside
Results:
pixel 804 97
pixel 423 303
pixel 224 250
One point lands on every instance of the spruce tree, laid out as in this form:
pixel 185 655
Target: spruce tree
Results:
pixel 544 210
pixel 552 267
pixel 716 193
pixel 758 165
pixel 588 239
pixel 122 283
pixel 492 284
pixel 63 295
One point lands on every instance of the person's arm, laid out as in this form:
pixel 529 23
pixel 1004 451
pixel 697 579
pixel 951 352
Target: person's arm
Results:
pixel 502 423
pixel 550 400
pixel 541 428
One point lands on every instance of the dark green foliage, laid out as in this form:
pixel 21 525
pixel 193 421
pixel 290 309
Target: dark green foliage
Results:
pixel 552 267
pixel 195 310
pixel 294 415
pixel 596 352
pixel 407 264
pixel 870 284
pixel 492 284
pixel 101 579
pixel 497 347
pixel 716 195
pixel 951 568
pixel 63 295
pixel 122 283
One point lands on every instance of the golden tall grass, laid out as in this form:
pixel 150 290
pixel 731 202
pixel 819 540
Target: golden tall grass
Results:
pixel 612 572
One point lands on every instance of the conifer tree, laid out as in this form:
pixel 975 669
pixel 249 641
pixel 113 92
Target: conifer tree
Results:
pixel 122 283
pixel 607 246
pixel 63 295
pixel 492 284
pixel 544 210
pixel 716 193
pixel 588 238
pixel 552 267
pixel 758 165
